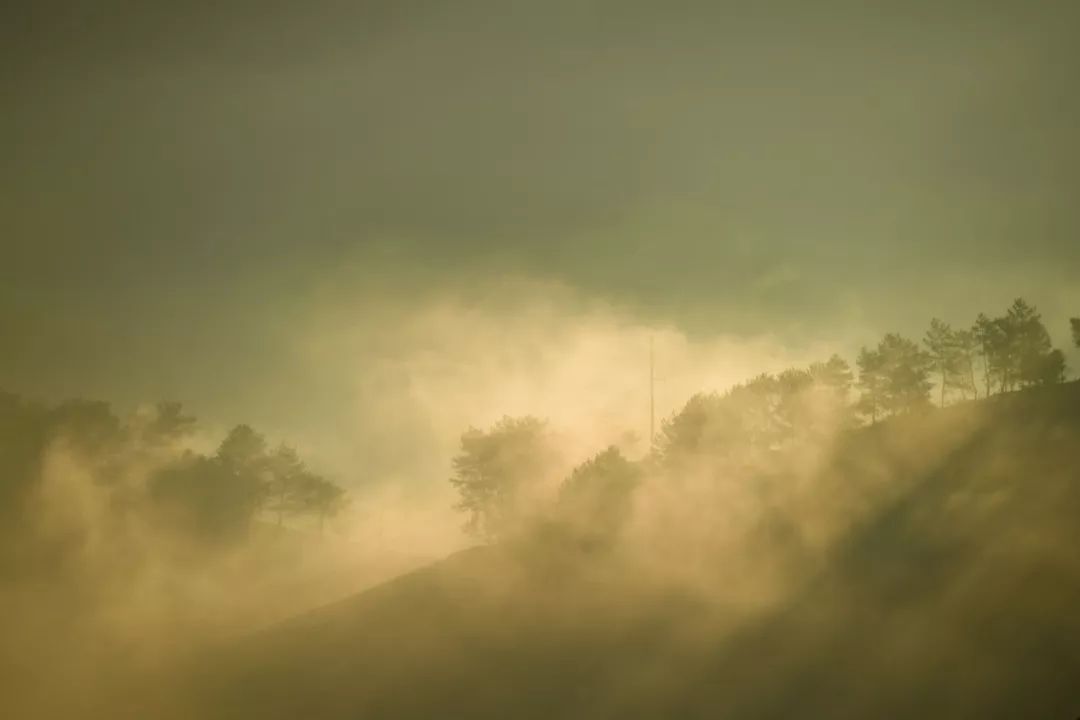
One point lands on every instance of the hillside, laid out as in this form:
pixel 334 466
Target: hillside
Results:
pixel 954 594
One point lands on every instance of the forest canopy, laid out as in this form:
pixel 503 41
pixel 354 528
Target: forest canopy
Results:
pixel 764 427
pixel 118 478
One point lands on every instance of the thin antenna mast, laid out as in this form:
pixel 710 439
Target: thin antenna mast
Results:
pixel 652 395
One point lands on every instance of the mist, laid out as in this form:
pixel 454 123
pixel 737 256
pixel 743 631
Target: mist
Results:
pixel 758 502
pixel 564 359
pixel 102 588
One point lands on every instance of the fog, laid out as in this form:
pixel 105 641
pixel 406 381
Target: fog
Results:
pixel 423 372
pixel 565 359
pixel 761 484
pixel 99 588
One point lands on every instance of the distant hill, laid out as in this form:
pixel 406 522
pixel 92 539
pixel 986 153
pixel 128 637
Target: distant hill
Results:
pixel 956 595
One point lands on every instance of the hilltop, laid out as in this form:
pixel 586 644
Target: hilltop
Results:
pixel 955 595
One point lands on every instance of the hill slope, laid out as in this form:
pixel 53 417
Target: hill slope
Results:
pixel 957 595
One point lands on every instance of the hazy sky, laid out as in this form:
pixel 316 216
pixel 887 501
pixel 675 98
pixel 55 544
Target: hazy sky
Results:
pixel 189 190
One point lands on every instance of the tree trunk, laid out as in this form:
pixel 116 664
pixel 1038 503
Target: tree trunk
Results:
pixel 943 384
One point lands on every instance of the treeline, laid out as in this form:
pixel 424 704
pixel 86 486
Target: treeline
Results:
pixel 765 428
pixel 221 494
pixel 994 355
pixel 76 474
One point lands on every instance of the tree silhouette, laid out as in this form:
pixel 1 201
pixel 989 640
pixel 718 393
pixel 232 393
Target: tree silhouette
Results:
pixel 292 489
pixel 1074 325
pixel 319 497
pixel 987 338
pixel 498 471
pixel 831 391
pixel 965 348
pixel 595 501
pixel 1052 368
pixel 893 378
pixel 327 500
pixel 1016 349
pixel 242 449
pixel 835 374
pixel 871 383
pixel 907 370
pixel 89 426
pixel 137 473
pixel 169 424
pixel 940 343
pixel 217 498
pixel 700 427
pixel 1031 349
pixel 756 419
pixel 286 476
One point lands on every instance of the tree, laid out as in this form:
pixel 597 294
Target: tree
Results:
pixel 871 383
pixel 168 424
pixel 756 420
pixel 89 426
pixel 1004 360
pixel 907 373
pixel 794 405
pixel 988 338
pixel 759 412
pixel 499 471
pixel 1030 344
pixel 1016 346
pixel 242 449
pixel 831 391
pixel 834 374
pixel 939 341
pixel 1051 369
pixel 952 354
pixel 216 498
pixel 596 500
pixel 893 378
pixel 1074 324
pixel 738 426
pixel 965 347
pixel 700 430
pixel 285 478
pixel 813 402
pixel 321 498
pixel 205 499
pixel 293 489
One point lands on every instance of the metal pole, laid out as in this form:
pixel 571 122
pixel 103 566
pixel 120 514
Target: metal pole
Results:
pixel 652 395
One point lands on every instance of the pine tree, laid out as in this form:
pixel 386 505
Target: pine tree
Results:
pixel 871 383
pixel 965 348
pixel 940 343
pixel 907 373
